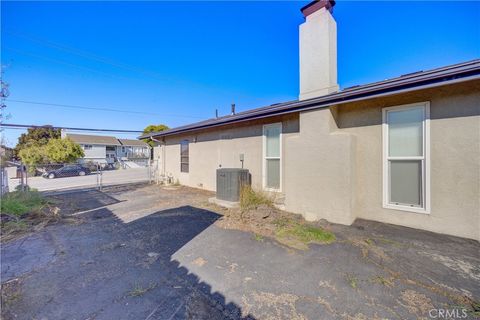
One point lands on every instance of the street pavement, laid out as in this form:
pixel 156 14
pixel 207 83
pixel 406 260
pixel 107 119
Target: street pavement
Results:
pixel 112 177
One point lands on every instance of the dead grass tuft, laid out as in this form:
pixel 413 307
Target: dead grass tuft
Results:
pixel 262 219
pixel 352 280
pixel 270 306
pixel 138 290
pixel 25 212
pixel 251 199
pixel 11 292
pixel 415 302
pixel 368 245
pixel 387 282
pixel 258 237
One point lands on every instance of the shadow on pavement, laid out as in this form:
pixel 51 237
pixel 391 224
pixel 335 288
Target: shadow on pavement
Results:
pixel 106 269
pixel 81 200
pixel 115 188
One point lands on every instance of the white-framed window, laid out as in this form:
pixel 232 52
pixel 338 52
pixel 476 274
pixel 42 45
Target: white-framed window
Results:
pixel 123 149
pixel 406 157
pixel 184 156
pixel 272 156
pixel 87 147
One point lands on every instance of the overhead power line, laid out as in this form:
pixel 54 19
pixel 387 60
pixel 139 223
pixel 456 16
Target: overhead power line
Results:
pixel 59 61
pixel 27 126
pixel 101 109
pixel 85 54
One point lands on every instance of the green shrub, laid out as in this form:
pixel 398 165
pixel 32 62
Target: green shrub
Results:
pixel 13 206
pixel 18 202
pixel 303 232
pixel 251 199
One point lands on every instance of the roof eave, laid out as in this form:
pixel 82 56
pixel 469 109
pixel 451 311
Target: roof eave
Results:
pixel 408 83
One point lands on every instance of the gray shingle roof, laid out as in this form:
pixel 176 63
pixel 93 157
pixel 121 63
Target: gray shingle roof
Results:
pixel 91 139
pixel 133 142
pixel 465 71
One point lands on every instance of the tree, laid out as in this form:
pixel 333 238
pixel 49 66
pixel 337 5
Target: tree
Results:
pixel 4 93
pixel 153 128
pixel 55 151
pixel 63 151
pixel 33 156
pixel 36 137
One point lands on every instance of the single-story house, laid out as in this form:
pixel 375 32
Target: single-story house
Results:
pixel 403 151
pixel 109 150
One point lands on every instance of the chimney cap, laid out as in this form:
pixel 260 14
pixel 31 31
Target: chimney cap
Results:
pixel 317 5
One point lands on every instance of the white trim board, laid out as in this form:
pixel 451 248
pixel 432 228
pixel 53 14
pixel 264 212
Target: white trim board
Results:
pixel 425 160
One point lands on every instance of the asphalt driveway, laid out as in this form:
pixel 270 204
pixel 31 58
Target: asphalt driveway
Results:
pixel 142 252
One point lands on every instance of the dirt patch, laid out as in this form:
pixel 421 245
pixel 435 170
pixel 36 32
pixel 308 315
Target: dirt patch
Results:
pixel 385 281
pixel 18 227
pixel 199 261
pixel 369 248
pixel 11 292
pixel 270 306
pixel 326 305
pixel 232 267
pixel 329 286
pixel 287 228
pixel 461 267
pixel 360 316
pixel 416 303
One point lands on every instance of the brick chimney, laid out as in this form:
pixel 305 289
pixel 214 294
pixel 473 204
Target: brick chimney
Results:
pixel 318 50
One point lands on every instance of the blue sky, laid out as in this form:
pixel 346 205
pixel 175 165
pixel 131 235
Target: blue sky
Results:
pixel 182 60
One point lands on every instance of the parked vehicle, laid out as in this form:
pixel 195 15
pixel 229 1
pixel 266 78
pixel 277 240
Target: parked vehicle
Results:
pixel 67 171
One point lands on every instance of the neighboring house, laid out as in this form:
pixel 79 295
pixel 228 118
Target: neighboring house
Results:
pixel 134 150
pixel 403 151
pixel 109 150
pixel 6 153
pixel 99 149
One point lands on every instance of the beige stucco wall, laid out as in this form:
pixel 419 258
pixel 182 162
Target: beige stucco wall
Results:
pixel 319 169
pixel 454 159
pixel 332 160
pixel 212 149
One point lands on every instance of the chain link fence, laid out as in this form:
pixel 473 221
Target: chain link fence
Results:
pixel 64 176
